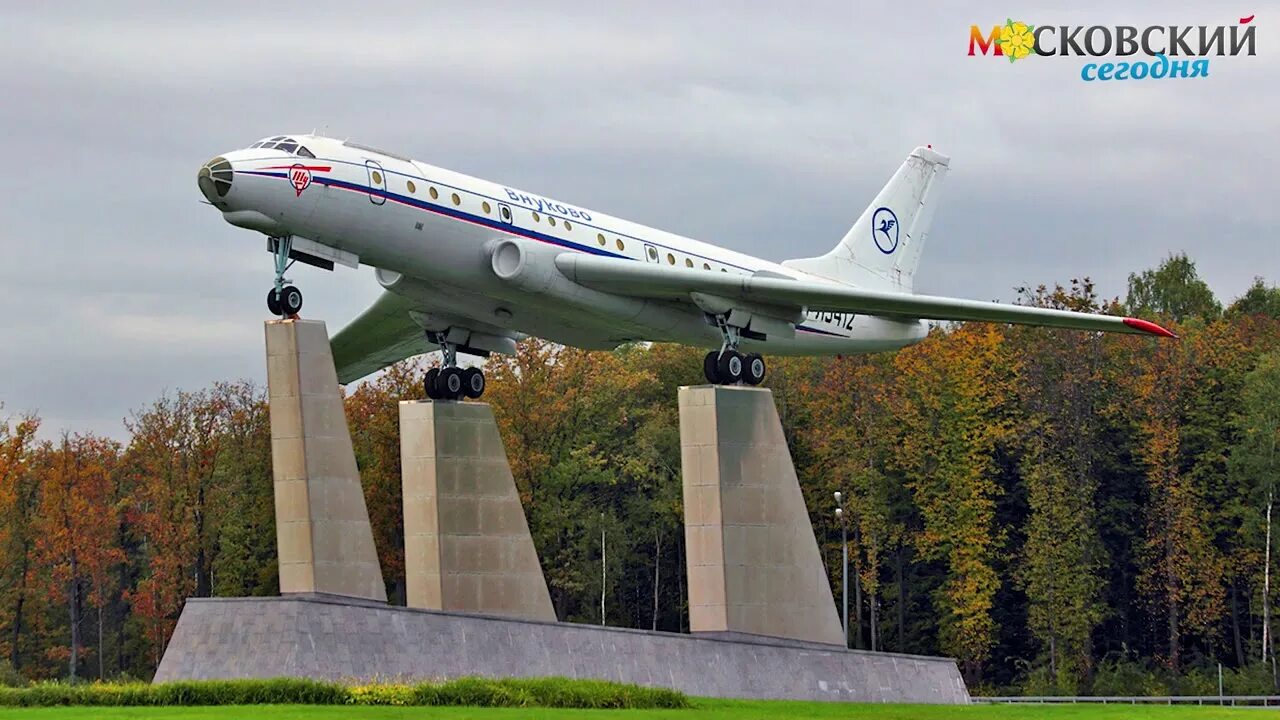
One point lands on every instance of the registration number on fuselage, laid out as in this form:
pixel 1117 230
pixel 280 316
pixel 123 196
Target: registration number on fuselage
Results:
pixel 842 320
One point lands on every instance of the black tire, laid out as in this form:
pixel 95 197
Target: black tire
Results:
pixel 429 384
pixel 753 369
pixel 290 300
pixel 273 303
pixel 709 367
pixel 450 383
pixel 729 367
pixel 473 382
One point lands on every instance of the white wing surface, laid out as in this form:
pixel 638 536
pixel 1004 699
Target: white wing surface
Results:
pixel 655 281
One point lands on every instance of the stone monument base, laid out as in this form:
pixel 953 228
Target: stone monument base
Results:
pixel 336 638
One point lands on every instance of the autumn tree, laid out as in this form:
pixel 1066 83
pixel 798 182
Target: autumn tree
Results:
pixel 173 455
pixel 851 433
pixel 952 392
pixel 373 415
pixel 1181 571
pixel 566 417
pixel 19 498
pixel 76 531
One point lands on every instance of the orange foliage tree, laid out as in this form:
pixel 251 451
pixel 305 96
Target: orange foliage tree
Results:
pixel 75 531
pixel 951 401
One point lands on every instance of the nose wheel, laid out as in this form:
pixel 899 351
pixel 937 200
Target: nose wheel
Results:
pixel 284 302
pixel 451 382
pixel 284 299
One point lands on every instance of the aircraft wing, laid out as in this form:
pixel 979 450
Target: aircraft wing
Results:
pixel 627 277
pixel 381 336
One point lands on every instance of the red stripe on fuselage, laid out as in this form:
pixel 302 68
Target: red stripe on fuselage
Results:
pixel 312 168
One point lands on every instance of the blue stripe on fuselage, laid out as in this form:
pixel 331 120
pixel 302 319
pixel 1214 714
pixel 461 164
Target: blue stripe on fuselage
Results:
pixel 508 228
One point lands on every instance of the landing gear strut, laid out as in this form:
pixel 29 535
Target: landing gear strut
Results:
pixel 451 382
pixel 727 366
pixel 284 299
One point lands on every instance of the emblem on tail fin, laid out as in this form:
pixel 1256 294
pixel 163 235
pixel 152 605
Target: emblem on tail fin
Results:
pixel 884 230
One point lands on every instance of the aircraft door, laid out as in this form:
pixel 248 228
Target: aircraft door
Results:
pixel 651 254
pixel 377 182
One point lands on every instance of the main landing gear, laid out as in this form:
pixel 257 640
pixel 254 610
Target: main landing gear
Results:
pixel 451 382
pixel 727 366
pixel 284 299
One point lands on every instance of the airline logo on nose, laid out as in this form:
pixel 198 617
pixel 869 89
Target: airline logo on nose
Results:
pixel 300 177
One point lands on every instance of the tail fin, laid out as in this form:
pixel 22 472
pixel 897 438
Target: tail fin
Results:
pixel 881 250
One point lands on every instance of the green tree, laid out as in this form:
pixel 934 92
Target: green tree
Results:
pixel 1257 300
pixel 1256 461
pixel 1173 290
pixel 1060 566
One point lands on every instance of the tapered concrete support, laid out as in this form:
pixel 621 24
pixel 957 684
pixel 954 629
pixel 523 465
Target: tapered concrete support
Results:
pixel 753 561
pixel 467 546
pixel 323 536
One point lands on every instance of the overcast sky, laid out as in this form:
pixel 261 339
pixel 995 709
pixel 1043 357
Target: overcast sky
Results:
pixel 766 131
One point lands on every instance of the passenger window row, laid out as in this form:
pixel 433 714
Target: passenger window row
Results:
pixel 567 225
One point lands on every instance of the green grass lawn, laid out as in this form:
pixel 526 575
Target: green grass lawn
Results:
pixel 704 710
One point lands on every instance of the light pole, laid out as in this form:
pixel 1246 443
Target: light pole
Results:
pixel 844 557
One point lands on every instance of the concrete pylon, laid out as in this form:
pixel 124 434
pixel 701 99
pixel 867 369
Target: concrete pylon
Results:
pixel 467 545
pixel 753 561
pixel 323 536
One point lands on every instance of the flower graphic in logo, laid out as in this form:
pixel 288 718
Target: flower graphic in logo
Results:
pixel 1016 40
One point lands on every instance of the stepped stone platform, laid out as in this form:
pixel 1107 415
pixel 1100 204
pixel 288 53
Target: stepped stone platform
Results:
pixel 339 638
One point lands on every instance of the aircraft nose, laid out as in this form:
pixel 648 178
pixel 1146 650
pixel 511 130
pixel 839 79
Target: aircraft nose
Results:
pixel 214 179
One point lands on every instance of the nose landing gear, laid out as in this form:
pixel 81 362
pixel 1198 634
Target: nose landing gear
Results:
pixel 284 299
pixel 451 382
pixel 728 366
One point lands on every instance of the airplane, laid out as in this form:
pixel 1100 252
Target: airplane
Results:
pixel 472 266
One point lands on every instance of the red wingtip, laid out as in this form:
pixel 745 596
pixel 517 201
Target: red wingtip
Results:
pixel 1148 327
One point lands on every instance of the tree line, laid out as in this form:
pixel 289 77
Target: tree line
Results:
pixel 1060 511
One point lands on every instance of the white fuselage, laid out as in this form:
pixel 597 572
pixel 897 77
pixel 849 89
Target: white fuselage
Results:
pixel 428 231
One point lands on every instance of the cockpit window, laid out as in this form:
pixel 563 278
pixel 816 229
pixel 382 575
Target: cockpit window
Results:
pixel 280 142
